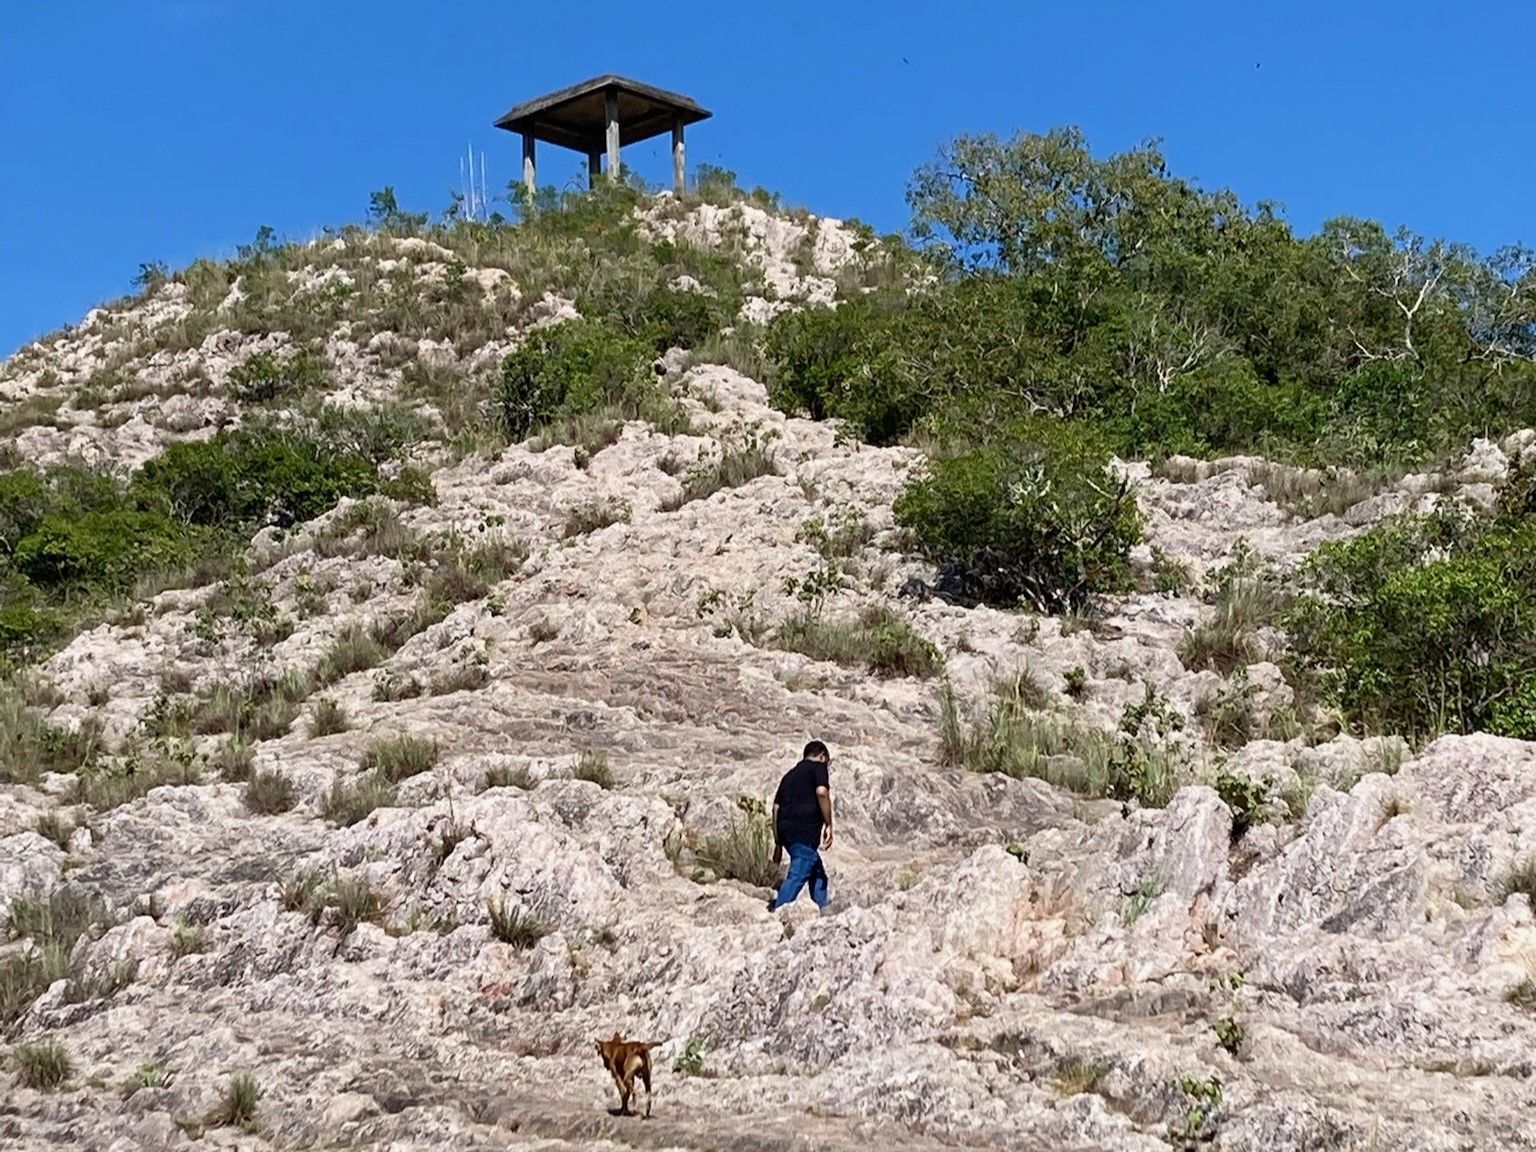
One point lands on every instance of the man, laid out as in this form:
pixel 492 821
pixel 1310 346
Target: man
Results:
pixel 802 825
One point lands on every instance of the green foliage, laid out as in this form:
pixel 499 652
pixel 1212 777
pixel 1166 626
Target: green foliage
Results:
pixel 53 925
pixel 401 757
pixel 691 1062
pixel 1034 517
pixel 1246 797
pixel 1520 880
pixel 1014 735
pixel 1177 318
pixel 569 368
pixel 350 801
pixel 744 851
pixel 237 1104
pixel 251 478
pixel 264 378
pixel 1425 625
pixel 1229 1034
pixel 72 539
pixel 877 639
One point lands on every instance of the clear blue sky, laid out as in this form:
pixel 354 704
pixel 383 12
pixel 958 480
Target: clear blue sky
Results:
pixel 136 130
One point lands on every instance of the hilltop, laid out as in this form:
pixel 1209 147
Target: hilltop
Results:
pixel 404 629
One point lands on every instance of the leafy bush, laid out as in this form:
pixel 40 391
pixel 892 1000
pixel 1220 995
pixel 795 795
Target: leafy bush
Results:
pixel 1426 625
pixel 250 478
pixel 568 368
pixel 1035 517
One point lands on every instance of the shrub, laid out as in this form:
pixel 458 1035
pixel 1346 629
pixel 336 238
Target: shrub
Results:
pixel 1136 762
pixel 592 766
pixel 568 368
pixel 350 801
pixel 878 640
pixel 594 517
pixel 1523 994
pixel 691 1062
pixel 30 746
pixel 263 378
pixel 252 477
pixel 269 793
pixel 401 757
pixel 43 1065
pixel 1036 517
pixel 514 926
pixel 1425 625
pixel 1245 796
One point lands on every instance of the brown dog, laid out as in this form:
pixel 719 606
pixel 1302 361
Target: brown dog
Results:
pixel 625 1059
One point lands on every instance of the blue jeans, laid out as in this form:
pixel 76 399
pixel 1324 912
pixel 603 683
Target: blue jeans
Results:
pixel 804 868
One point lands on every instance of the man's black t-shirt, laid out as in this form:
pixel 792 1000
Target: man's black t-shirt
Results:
pixel 799 813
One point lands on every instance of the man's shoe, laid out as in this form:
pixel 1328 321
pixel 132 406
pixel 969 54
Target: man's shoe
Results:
pixel 773 905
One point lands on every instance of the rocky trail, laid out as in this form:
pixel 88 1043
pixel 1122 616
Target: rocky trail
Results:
pixel 1007 965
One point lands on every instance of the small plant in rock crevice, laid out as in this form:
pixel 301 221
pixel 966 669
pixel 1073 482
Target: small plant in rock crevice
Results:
pixel 516 926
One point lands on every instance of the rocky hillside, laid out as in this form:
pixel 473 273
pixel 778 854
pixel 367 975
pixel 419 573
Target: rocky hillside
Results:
pixel 360 837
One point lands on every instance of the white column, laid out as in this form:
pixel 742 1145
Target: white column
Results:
pixel 679 166
pixel 530 178
pixel 613 135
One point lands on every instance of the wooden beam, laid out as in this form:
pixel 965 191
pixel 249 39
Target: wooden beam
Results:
pixel 594 167
pixel 679 165
pixel 613 133
pixel 530 174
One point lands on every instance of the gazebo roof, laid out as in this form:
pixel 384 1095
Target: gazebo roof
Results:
pixel 576 117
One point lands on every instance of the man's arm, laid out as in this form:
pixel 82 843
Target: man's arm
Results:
pixel 778 845
pixel 824 799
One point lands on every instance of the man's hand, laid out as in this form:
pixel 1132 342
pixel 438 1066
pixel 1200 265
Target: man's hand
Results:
pixel 778 854
pixel 826 837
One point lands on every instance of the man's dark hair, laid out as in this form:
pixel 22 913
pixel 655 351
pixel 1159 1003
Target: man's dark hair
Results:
pixel 815 749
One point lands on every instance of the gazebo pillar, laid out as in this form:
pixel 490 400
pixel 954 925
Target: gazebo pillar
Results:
pixel 679 166
pixel 530 175
pixel 594 167
pixel 611 103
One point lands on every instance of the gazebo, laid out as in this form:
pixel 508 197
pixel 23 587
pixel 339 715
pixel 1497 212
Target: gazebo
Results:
pixel 600 115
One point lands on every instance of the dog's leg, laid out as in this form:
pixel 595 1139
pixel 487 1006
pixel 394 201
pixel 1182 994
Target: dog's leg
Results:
pixel 645 1075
